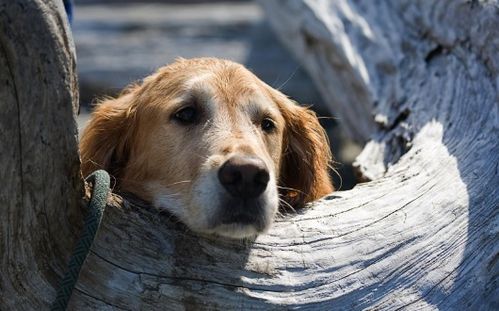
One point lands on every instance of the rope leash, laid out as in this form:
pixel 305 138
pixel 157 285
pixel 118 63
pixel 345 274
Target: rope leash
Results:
pixel 96 207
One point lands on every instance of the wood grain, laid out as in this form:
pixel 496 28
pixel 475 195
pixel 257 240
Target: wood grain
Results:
pixel 423 234
pixel 39 166
pixel 416 80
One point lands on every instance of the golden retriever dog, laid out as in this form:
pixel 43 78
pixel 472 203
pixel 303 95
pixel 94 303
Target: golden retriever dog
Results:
pixel 212 144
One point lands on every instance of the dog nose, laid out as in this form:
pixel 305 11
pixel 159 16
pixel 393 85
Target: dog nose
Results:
pixel 244 176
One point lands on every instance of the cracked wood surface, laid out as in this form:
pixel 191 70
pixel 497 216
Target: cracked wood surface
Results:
pixel 41 185
pixel 413 78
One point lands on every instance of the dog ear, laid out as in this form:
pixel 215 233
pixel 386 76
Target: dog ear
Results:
pixel 306 156
pixel 106 139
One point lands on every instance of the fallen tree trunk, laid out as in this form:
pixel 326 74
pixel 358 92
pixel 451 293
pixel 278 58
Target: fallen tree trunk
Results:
pixel 418 81
pixel 41 185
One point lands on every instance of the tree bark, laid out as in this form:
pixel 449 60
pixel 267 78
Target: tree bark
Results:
pixel 39 165
pixel 418 80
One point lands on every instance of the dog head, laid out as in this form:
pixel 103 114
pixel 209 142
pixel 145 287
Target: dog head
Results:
pixel 208 141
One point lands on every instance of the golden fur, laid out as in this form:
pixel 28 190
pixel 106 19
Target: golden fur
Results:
pixel 135 139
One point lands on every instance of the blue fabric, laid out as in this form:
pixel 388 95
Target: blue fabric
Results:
pixel 68 5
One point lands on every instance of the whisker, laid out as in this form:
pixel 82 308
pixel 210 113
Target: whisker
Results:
pixel 113 182
pixel 140 181
pixel 288 79
pixel 335 171
pixel 203 157
pixel 179 182
pixel 287 205
pixel 292 189
pixel 279 214
pixel 170 195
pixel 327 118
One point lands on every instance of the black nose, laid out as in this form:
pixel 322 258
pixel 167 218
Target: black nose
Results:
pixel 244 176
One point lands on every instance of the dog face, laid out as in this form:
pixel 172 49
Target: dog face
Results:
pixel 208 141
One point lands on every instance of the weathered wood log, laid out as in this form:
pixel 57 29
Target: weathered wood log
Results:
pixel 423 234
pixel 39 165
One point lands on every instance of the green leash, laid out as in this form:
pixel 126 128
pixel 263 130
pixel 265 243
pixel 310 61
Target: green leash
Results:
pixel 96 207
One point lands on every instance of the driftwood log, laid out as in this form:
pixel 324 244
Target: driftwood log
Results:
pixel 41 188
pixel 418 80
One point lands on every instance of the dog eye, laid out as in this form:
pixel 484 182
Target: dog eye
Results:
pixel 187 115
pixel 268 125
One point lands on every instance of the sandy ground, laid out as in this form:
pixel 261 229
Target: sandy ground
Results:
pixel 121 43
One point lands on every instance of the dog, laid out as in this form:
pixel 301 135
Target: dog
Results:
pixel 212 144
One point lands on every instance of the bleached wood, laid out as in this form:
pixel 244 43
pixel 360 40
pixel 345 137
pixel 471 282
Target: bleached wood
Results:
pixel 422 235
pixel 418 79
pixel 39 166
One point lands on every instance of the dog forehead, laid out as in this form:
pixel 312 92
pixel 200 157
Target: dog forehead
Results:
pixel 232 91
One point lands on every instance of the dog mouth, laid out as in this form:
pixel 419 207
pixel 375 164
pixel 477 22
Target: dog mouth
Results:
pixel 242 212
pixel 230 217
pixel 241 218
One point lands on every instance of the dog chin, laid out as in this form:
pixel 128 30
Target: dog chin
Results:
pixel 236 231
pixel 202 225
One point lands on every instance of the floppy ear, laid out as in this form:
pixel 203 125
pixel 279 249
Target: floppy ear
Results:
pixel 306 156
pixel 106 139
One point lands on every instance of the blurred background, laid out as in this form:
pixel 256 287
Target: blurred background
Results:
pixel 121 41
